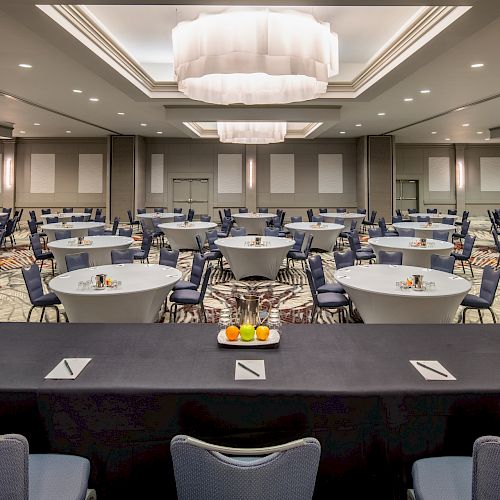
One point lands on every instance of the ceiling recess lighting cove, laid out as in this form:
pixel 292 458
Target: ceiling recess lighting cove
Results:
pixel 251 132
pixel 254 57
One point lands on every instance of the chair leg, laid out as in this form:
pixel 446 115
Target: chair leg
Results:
pixel 29 314
pixel 52 262
pixel 203 313
pixel 463 268
pixel 480 315
pixel 58 316
pixel 43 314
pixel 492 315
pixel 463 314
pixel 313 312
pixel 470 267
pixel 41 265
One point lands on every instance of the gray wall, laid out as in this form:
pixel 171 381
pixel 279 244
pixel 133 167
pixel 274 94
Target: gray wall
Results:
pixel 380 175
pixel 1 174
pixel 122 176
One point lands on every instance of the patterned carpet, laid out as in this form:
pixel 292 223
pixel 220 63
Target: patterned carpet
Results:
pixel 290 292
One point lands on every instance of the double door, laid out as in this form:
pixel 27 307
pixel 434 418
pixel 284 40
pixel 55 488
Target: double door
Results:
pixel 191 193
pixel 406 194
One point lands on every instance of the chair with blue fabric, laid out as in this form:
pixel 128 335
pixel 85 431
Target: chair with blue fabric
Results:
pixel 68 210
pixel 62 234
pixel 89 211
pixel 52 220
pixel 392 258
pixel 310 214
pixel 399 213
pixel 158 210
pixel 141 211
pixel 168 257
pixel 343 259
pixel 344 235
pixel 341 210
pixel 131 220
pixel 413 211
pixel 444 263
pixel 298 237
pixel 226 227
pixel 213 252
pixel 98 215
pixel 452 212
pixel 489 285
pixel 327 300
pixel 177 210
pixel 383 227
pixel 100 218
pixel 406 233
pixel 323 210
pixel 227 212
pixel 190 215
pixel 466 253
pixel 459 477
pixel 238 231
pixel 263 210
pixel 440 235
pixel 359 252
pixel 464 231
pixel 77 218
pixel 296 218
pixel 361 211
pixel 432 210
pixel 76 261
pixel 423 218
pixel 179 218
pixel 205 218
pixel 448 220
pixel 33 218
pixel 143 253
pixel 9 231
pixel 243 210
pixel 317 218
pixel 496 240
pixel 197 268
pixel 318 274
pixel 125 256
pixel 96 231
pixel 300 255
pixel 114 229
pixel 203 470
pixel 33 281
pixel 375 232
pixel 34 230
pixel 191 297
pixel 370 221
pixel 465 216
pixel 125 231
pixel 41 476
pixel 46 211
pixel 271 231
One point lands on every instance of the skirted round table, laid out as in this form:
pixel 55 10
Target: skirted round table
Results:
pixel 183 236
pixel 432 217
pixel 347 217
pixel 253 223
pixel 76 228
pixel 324 235
pixel 379 299
pixel 66 216
pixel 424 229
pixel 138 299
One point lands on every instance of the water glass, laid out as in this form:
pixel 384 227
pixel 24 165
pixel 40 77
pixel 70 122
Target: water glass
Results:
pixel 224 319
pixel 274 320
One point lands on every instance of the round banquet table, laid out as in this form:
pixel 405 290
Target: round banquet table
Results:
pixel 253 223
pixel 347 217
pixel 66 216
pixel 379 300
pixel 163 216
pixel 412 255
pixel 432 217
pixel 424 231
pixel 138 299
pixel 76 228
pixel 324 236
pixel 246 260
pixel 99 251
pixel 183 237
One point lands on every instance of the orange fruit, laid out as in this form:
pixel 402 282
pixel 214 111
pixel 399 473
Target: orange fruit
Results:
pixel 232 332
pixel 262 332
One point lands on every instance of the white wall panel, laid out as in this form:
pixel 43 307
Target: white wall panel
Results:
pixel 282 173
pixel 157 165
pixel 43 173
pixel 439 173
pixel 229 173
pixel 90 173
pixel 490 173
pixel 330 173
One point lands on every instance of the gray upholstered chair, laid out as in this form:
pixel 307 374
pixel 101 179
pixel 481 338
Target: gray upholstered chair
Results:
pixel 125 231
pixel 466 253
pixel 423 218
pixel 272 231
pixel 318 274
pixel 33 282
pixel 96 231
pixel 344 259
pixel 197 269
pixel 458 477
pixel 77 218
pixel 360 252
pixel 122 256
pixel 168 257
pixel 62 234
pixel 238 231
pixel 179 218
pixel 39 254
pixel 296 218
pixel 489 285
pixel 375 232
pixel 205 218
pixel 443 263
pixel 394 258
pixel 76 261
pixel 299 255
pixel 408 233
pixel 440 235
pixel 41 476
pixel 203 470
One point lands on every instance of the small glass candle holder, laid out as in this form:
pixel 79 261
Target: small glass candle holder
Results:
pixel 224 318
pixel 274 320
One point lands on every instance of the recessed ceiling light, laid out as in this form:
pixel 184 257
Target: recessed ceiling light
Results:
pixel 447 139
pixel 36 124
pixel 159 132
pixel 479 132
pixel 465 124
pixel 77 91
pixel 22 131
pixel 68 131
pixel 486 138
pixel 342 132
pixel 93 99
pixel 477 65
pixel 433 132
pixel 359 124
pixel 381 114
pixel 24 65
pixel 425 91
pixel 408 99
pixel 144 124
pixel 121 113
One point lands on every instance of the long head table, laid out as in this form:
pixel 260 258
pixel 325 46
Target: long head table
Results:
pixel 350 386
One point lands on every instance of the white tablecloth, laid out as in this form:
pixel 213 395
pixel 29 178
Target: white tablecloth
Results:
pixel 76 228
pixel 138 300
pixel 412 256
pixel 325 235
pixel 183 237
pixel 99 251
pixel 163 216
pixel 246 260
pixel 422 230
pixel 433 217
pixel 254 223
pixel 374 292
pixel 66 216
pixel 347 217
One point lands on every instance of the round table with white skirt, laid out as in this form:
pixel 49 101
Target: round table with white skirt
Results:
pixel 138 299
pixel 99 249
pixel 424 230
pixel 66 216
pixel 163 216
pixel 432 217
pixel 76 228
pixel 347 217
pixel 253 223
pixel 413 255
pixel 245 259
pixel 324 235
pixel 183 236
pixel 379 299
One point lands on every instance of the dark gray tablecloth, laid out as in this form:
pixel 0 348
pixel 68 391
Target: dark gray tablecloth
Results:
pixel 351 386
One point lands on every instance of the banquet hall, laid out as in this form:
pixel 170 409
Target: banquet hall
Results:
pixel 249 250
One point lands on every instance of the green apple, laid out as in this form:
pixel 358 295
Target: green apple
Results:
pixel 247 332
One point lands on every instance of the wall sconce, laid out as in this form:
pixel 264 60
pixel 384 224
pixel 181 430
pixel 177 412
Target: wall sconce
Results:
pixel 461 175
pixel 250 168
pixel 8 174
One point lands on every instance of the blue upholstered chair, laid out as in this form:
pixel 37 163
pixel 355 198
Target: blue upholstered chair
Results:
pixel 52 220
pixel 122 256
pixel 413 211
pixel 458 477
pixel 41 476
pixel 452 212
pixel 141 211
pixel 143 253
pixel 432 210
pixel 158 210
pixel 299 255
pixel 62 234
pixel 443 263
pixel 125 231
pixel 406 233
pixel 238 231
pixel 310 214
pixel 243 210
pixel 375 232
pixel 32 225
pixel 323 210
pixel 179 218
pixel 197 269
pixel 89 211
pixel 318 275
pixel 33 281
pixel 190 215
pixel 168 257
pixel 205 218
pixel 227 212
pixel 371 220
pixel 464 231
pixel 225 228
pixel 394 258
pixel 33 218
pixel 466 253
pixel 359 252
pixel 489 285
pixel 343 259
pixel 68 210
pixel 327 300
pixel 317 218
pixel 448 220
pixel 100 218
pixel 383 227
pixel 131 220
pixel 46 211
pixel 496 240
pixel 341 210
pixel 77 218
pixel 114 229
pixel 296 218
pixel 423 218
pixel 272 231
pixel 191 297
pixel 465 216
pixel 440 235
pixel 39 254
pixel 177 210
pixel 96 231
pixel 347 231
pixel 263 210
pixel 203 470
pixel 213 252
pixel 397 218
pixel 76 261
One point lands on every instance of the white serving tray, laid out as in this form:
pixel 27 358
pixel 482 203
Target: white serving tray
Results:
pixel 272 341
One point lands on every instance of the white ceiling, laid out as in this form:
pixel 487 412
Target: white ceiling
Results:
pixel 61 64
